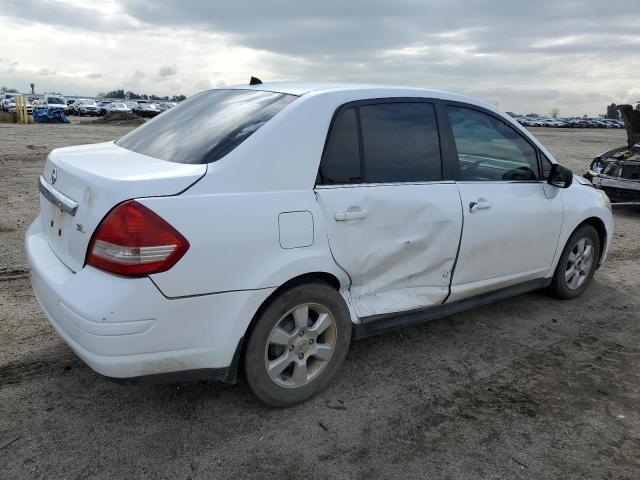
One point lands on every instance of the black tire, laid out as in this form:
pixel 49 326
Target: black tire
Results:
pixel 559 285
pixel 255 357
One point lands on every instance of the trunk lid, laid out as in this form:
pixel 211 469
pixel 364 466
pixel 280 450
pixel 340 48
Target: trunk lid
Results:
pixel 631 119
pixel 96 178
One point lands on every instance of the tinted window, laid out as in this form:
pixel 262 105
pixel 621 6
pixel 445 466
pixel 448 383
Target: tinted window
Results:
pixel 341 158
pixel 488 149
pixel 207 126
pixel 400 142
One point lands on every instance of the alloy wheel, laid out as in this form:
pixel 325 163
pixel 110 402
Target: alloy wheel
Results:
pixel 300 345
pixel 579 263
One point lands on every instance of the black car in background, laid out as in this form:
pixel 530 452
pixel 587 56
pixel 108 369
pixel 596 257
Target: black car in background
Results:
pixel 617 171
pixel 145 109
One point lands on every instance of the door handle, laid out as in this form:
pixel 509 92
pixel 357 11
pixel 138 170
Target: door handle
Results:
pixel 480 204
pixel 354 213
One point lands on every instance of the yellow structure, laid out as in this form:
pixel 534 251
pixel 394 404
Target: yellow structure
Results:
pixel 21 109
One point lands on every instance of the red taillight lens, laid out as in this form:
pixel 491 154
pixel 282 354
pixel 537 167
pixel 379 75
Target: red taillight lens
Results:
pixel 134 241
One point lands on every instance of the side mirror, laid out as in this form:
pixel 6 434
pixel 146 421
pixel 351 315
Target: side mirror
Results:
pixel 560 176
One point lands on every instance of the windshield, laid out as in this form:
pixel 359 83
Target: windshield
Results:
pixel 86 102
pixel 118 105
pixel 207 126
pixel 57 101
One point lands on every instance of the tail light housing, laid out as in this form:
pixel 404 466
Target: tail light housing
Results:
pixel 134 241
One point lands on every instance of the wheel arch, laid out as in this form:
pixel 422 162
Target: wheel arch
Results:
pixel 598 224
pixel 319 276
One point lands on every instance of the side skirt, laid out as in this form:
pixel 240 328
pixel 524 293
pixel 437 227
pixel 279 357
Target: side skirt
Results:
pixel 376 324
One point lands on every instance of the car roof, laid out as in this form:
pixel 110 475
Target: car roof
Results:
pixel 300 88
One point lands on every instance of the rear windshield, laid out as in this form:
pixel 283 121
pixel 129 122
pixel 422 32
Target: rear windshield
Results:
pixel 207 126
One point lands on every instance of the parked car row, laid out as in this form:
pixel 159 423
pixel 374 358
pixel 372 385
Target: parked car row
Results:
pixel 570 122
pixel 87 106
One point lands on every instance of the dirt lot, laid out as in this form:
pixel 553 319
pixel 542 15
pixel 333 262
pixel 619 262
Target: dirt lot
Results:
pixel 526 388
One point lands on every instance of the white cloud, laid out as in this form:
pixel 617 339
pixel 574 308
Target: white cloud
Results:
pixel 576 55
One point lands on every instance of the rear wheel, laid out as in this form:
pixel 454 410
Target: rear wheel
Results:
pixel 298 344
pixel 577 264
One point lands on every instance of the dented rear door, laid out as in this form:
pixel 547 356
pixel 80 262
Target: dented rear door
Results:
pixel 398 243
pixel 393 224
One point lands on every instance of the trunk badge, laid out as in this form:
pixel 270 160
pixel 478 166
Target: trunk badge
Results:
pixel 54 176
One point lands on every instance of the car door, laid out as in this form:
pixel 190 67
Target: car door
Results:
pixel 512 217
pixel 392 219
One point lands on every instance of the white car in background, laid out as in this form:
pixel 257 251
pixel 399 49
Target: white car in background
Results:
pixel 8 99
pixel 55 101
pixel 86 106
pixel 9 103
pixel 119 107
pixel 266 226
pixel 164 106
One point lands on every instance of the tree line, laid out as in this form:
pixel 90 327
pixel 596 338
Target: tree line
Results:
pixel 121 94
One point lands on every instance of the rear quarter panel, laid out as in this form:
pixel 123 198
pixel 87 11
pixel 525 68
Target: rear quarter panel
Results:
pixel 235 242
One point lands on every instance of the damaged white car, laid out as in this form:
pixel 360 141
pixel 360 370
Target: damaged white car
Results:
pixel 260 228
pixel 617 172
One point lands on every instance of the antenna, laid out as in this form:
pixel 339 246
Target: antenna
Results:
pixel 255 81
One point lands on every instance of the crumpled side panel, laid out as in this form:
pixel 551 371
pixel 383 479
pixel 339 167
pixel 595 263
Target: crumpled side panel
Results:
pixel 401 254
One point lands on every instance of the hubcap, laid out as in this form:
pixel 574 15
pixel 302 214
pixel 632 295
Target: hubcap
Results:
pixel 579 263
pixel 300 345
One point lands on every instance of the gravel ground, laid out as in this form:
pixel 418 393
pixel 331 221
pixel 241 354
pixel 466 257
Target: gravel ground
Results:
pixel 525 388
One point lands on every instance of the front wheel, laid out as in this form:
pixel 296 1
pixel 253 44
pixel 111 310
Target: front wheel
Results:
pixel 577 264
pixel 298 344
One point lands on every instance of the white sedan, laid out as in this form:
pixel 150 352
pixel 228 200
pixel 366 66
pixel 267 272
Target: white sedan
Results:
pixel 265 226
pixel 119 107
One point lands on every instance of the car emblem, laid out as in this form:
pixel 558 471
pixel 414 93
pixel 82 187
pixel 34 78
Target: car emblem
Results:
pixel 54 176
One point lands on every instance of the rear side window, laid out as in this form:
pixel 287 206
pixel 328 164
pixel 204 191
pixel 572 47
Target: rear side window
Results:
pixel 341 159
pixel 207 126
pixel 399 143
pixel 489 149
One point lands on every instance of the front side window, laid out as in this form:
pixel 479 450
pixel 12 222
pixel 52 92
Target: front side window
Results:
pixel 489 149
pixel 207 126
pixel 399 143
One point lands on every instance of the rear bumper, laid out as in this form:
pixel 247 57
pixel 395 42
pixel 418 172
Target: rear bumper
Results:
pixel 125 328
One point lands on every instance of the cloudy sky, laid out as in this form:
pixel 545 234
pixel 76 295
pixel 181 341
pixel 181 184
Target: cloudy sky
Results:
pixel 577 55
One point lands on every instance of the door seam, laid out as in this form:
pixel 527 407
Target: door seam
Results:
pixel 455 262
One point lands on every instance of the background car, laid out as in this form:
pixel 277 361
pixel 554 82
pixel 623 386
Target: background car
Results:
pixel 119 107
pixel 55 101
pixel 617 171
pixel 163 106
pixel 104 106
pixel 11 105
pixel 7 99
pixel 146 109
pixel 85 106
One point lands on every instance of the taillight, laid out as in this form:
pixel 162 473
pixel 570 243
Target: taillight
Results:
pixel 134 241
